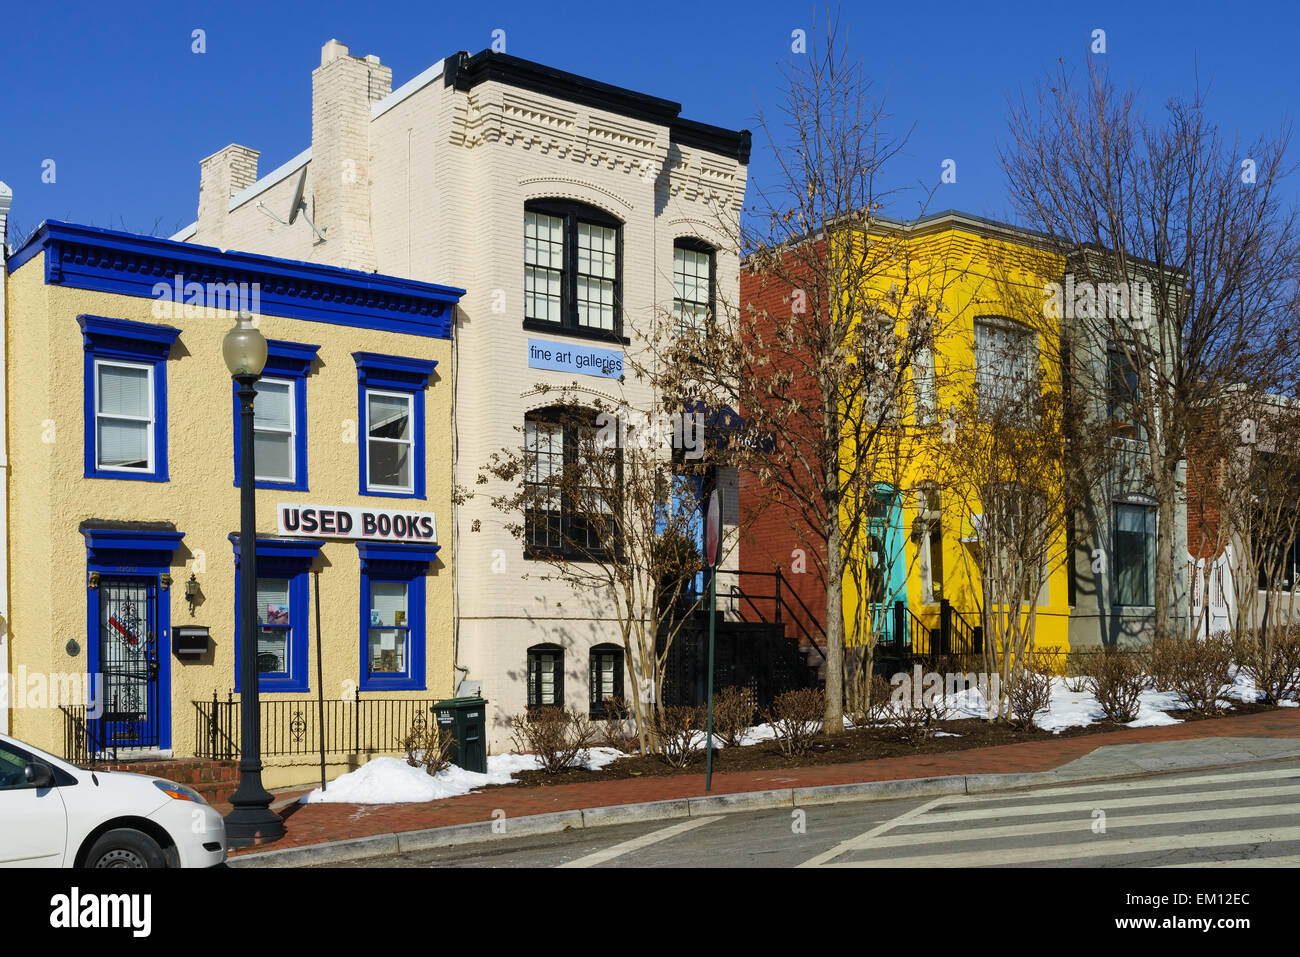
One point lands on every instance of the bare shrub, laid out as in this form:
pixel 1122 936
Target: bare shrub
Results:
pixel 557 737
pixel 1030 693
pixel 1050 661
pixel 1078 668
pixel 429 746
pixel 733 714
pixel 868 700
pixel 1273 665
pixel 1199 668
pixel 911 725
pixel 1160 660
pixel 796 718
pixel 613 726
pixel 1117 679
pixel 680 730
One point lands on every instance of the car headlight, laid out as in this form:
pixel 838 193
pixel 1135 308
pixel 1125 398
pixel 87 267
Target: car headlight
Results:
pixel 179 791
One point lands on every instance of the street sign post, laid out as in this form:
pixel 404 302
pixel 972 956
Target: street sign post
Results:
pixel 713 549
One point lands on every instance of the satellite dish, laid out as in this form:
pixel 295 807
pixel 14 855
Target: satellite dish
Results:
pixel 298 204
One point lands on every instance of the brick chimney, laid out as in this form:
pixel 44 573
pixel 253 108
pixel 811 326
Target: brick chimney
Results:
pixel 342 89
pixel 221 176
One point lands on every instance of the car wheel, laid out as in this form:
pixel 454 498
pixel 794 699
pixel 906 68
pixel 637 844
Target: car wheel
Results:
pixel 125 847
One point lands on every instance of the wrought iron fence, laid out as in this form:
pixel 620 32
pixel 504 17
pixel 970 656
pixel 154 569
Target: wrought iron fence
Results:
pixel 89 739
pixel 294 727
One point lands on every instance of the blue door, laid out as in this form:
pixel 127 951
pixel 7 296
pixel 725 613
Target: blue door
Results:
pixel 128 663
pixel 884 569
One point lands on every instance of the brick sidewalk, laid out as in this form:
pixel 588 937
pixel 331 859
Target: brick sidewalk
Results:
pixel 316 823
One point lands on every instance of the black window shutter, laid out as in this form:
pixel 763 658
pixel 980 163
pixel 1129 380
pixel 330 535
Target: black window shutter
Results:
pixel 558 659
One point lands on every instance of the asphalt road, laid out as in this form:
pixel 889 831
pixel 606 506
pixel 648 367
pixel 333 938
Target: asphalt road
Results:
pixel 1240 817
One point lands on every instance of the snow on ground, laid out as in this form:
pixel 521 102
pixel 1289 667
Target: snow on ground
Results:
pixel 393 781
pixel 1072 709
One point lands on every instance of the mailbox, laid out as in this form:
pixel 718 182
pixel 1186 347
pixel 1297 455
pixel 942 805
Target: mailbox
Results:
pixel 189 641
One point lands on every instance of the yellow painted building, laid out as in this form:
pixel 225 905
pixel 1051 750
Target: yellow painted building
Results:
pixel 123 500
pixel 983 285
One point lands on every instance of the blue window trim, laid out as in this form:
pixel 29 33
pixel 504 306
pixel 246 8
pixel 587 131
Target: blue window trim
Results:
pixel 284 360
pixel 127 341
pixel 400 563
pixel 393 374
pixel 126 552
pixel 291 559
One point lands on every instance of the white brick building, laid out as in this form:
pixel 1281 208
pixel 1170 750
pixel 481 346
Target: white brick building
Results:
pixel 432 181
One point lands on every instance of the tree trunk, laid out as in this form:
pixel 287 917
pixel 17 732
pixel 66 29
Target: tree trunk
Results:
pixel 833 722
pixel 1168 508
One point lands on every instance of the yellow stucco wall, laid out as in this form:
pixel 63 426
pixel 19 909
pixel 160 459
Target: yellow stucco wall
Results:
pixel 972 274
pixel 49 497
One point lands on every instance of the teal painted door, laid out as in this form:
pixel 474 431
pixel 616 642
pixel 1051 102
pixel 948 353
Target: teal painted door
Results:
pixel 885 571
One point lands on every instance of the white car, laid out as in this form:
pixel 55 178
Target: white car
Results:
pixel 53 814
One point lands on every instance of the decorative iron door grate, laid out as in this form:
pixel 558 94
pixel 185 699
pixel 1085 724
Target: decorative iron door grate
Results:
pixel 128 661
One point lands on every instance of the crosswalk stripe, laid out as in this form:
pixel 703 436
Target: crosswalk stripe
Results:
pixel 1079 825
pixel 864 839
pixel 645 840
pixel 1103 802
pixel 1290 860
pixel 1143 785
pixel 1103 848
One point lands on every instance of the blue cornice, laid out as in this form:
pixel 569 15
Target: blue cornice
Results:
pixel 397 552
pixel 104 260
pixel 142 546
pixel 300 548
pixel 294 357
pixel 105 334
pixel 376 369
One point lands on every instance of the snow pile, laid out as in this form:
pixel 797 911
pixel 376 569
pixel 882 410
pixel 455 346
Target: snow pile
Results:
pixel 393 781
pixel 1072 709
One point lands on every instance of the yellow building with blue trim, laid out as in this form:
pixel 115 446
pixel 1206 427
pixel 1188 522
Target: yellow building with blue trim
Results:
pixel 919 557
pixel 123 500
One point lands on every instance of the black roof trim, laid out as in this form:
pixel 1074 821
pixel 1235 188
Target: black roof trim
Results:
pixel 465 71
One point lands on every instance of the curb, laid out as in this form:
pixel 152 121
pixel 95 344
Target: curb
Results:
pixel 381 845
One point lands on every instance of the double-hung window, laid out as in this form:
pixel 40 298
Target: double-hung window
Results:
pixel 572 486
pixel 126 398
pixel 1135 554
pixel 282 609
pixel 930 550
pixel 1123 394
pixel 606 678
pixel 280 418
pixel 546 676
pixel 393 615
pixel 391 444
pixel 693 265
pixel 572 269
pixel 1005 366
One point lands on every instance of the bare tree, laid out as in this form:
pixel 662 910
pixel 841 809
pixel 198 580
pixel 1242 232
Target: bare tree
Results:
pixel 820 361
pixel 605 498
pixel 1182 250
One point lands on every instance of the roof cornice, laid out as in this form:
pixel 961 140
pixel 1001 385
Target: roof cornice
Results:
pixel 103 260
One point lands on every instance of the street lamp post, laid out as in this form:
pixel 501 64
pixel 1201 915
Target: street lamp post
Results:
pixel 252 821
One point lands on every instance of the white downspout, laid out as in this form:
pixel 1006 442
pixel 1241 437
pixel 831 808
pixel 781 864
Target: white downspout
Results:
pixel 6 200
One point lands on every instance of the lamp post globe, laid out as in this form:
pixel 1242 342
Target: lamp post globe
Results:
pixel 244 348
pixel 251 821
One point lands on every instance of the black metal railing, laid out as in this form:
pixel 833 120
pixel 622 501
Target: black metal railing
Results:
pixel 294 726
pixel 92 735
pixel 913 638
pixel 782 606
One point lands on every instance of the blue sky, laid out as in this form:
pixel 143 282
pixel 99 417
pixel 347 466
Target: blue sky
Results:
pixel 126 110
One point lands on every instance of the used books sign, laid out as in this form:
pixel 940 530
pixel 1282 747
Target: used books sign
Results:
pixel 366 524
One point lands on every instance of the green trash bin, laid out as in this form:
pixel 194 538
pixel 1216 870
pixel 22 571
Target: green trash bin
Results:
pixel 467 719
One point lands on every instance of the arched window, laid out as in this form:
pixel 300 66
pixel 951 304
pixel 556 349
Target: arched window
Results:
pixel 546 676
pixel 572 268
pixel 572 486
pixel 693 279
pixel 606 678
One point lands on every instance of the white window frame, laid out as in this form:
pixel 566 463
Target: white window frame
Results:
pixel 372 486
pixel 292 433
pixel 150 421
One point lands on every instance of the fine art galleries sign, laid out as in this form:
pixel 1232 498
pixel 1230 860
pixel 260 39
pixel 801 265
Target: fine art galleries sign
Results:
pixel 566 357
pixel 364 524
